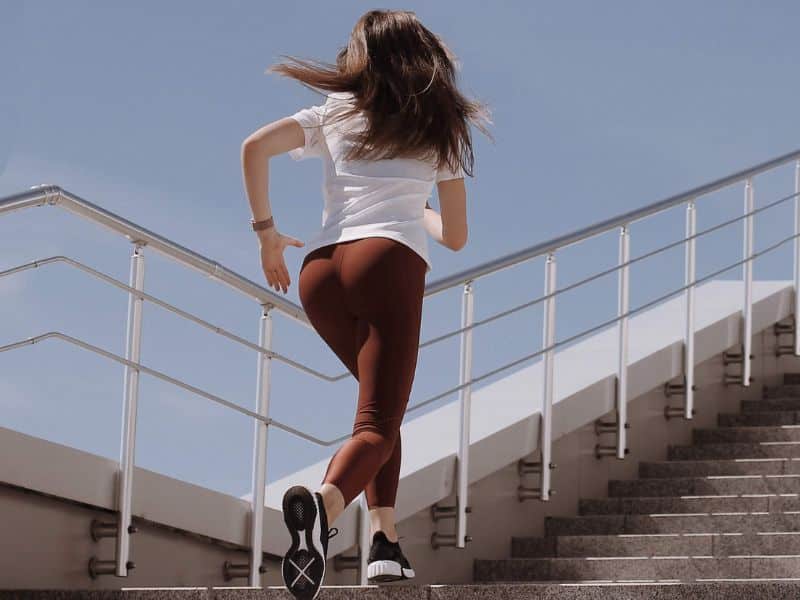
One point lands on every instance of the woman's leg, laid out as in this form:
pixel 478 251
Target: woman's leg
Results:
pixel 384 282
pixel 322 297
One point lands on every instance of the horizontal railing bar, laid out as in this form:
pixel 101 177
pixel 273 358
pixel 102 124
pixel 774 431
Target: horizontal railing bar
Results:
pixel 568 239
pixel 416 407
pixel 163 376
pixel 606 272
pixel 603 325
pixel 56 196
pixel 172 308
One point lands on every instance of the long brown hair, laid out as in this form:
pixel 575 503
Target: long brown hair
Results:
pixel 403 78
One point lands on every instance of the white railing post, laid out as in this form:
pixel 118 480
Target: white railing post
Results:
pixel 691 275
pixel 548 339
pixel 465 393
pixel 364 539
pixel 260 431
pixel 622 330
pixel 747 341
pixel 130 401
pixel 797 258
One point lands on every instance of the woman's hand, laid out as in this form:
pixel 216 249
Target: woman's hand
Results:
pixel 272 244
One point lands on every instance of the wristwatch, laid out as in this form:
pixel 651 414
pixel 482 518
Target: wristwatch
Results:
pixel 260 225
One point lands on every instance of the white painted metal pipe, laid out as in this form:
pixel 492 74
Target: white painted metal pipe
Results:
pixel 691 275
pixel 260 431
pixel 129 413
pixel 548 339
pixel 622 330
pixel 747 329
pixel 797 259
pixel 465 394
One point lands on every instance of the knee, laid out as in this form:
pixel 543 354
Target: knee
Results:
pixel 381 437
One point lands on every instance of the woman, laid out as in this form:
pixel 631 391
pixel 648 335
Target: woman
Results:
pixel 393 124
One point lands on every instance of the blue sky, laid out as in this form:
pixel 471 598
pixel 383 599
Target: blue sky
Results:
pixel 598 108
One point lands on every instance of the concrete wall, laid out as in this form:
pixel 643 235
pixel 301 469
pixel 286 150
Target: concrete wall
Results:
pixel 45 541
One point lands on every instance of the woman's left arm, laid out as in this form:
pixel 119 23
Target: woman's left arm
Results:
pixel 270 140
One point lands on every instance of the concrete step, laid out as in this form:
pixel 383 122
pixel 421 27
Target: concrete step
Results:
pixel 770 405
pixel 673 544
pixel 782 391
pixel 728 435
pixel 672 523
pixel 755 419
pixel 716 485
pixel 734 451
pixel 704 468
pixel 772 590
pixel 688 504
pixel 635 569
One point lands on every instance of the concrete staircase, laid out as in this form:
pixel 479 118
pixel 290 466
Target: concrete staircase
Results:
pixel 718 520
pixel 725 508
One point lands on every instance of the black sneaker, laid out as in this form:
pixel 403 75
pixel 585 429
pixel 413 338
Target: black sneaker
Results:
pixel 303 566
pixel 386 561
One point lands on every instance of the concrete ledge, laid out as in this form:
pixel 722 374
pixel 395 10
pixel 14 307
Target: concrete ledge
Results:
pixel 504 426
pixel 774 590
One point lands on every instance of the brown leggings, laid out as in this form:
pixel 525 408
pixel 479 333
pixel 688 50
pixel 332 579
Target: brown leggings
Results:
pixel 364 297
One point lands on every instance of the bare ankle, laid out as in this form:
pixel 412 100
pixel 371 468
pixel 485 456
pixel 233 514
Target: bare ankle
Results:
pixel 333 500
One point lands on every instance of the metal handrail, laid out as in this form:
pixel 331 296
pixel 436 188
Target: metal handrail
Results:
pixel 604 273
pixel 169 379
pixel 172 308
pixel 53 195
pixel 560 242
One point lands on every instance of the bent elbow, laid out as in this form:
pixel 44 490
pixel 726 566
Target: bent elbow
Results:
pixel 458 243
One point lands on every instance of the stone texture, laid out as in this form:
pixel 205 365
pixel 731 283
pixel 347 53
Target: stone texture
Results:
pixel 673 544
pixel 725 435
pixel 130 594
pixel 627 569
pixel 636 545
pixel 754 419
pixel 734 451
pixel 371 592
pixel 782 391
pixel 610 506
pixel 770 405
pixel 616 591
pixel 627 524
pixel 706 486
pixel 704 468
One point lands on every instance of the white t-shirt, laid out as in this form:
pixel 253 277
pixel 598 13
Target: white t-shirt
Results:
pixel 365 198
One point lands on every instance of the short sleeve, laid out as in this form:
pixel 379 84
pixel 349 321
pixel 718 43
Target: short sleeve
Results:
pixel 447 173
pixel 310 119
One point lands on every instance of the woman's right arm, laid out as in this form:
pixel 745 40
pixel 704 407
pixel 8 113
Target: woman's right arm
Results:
pixel 449 228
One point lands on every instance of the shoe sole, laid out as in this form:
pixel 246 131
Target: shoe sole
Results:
pixel 382 571
pixel 302 567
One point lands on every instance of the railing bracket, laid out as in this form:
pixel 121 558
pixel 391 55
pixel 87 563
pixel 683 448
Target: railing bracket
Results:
pixel 735 358
pixel 780 329
pixel 671 412
pixel 601 451
pixel 442 513
pixel 439 540
pixel 238 570
pixel 99 567
pixel 531 493
pixel 343 563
